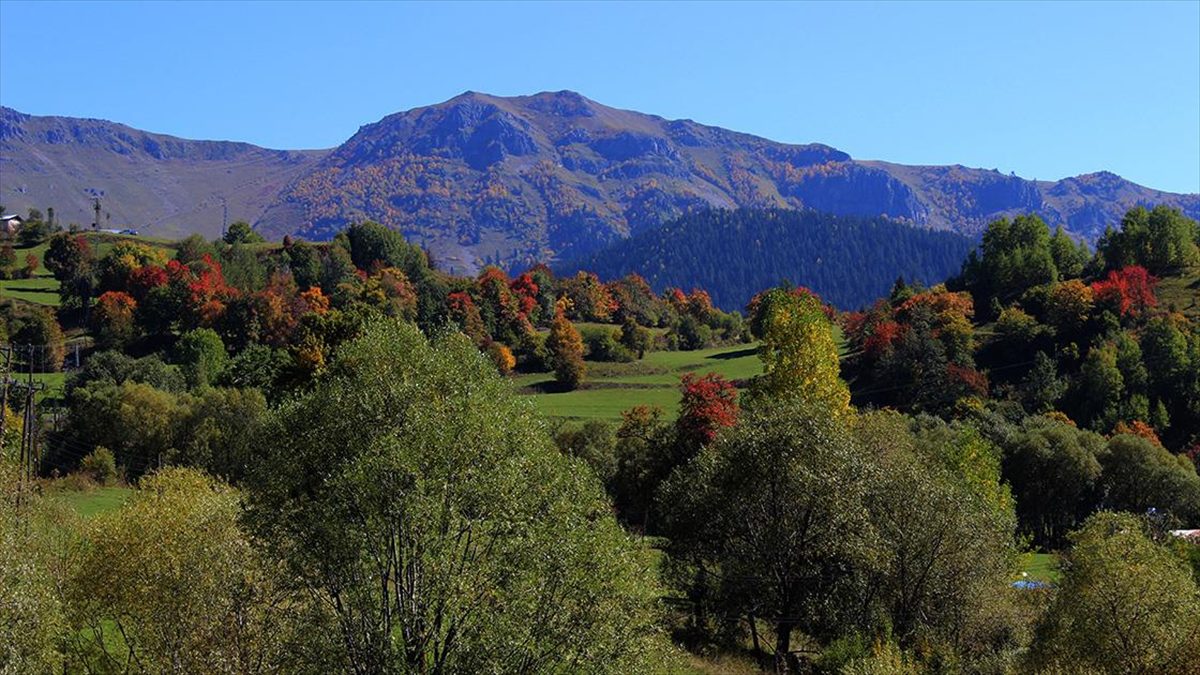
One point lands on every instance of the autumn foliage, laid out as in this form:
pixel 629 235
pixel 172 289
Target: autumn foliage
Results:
pixel 566 349
pixel 1129 291
pixel 709 404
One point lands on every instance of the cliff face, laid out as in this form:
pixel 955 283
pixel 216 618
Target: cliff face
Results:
pixel 484 178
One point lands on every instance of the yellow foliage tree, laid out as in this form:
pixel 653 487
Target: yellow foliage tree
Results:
pixel 799 352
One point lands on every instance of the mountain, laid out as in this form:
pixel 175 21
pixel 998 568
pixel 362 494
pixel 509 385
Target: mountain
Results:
pixel 155 183
pixel 552 176
pixel 556 175
pixel 839 257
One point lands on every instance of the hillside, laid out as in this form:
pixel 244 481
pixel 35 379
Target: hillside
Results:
pixel 480 178
pixel 735 254
pixel 157 184
pixel 556 175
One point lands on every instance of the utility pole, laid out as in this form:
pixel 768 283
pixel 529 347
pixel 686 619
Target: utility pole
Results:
pixel 4 405
pixel 224 216
pixel 96 208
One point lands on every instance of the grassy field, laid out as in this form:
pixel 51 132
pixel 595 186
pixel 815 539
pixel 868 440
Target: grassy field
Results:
pixel 42 289
pixel 1041 567
pixel 1181 292
pixel 613 387
pixel 88 503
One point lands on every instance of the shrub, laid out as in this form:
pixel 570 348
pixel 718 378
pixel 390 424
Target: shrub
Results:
pixel 100 466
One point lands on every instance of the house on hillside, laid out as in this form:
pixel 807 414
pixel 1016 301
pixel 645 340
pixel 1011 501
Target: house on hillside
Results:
pixel 10 224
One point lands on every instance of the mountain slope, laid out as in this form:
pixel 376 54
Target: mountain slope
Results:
pixel 555 175
pixel 848 261
pixel 159 184
pixel 552 176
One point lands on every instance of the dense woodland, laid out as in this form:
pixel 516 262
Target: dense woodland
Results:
pixel 735 254
pixel 333 472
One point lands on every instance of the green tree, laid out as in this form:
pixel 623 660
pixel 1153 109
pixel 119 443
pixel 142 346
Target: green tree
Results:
pixel 1053 469
pixel 946 522
pixel 70 259
pixel 171 583
pixel 1161 240
pixel 33 623
pixel 240 232
pixel 425 503
pixel 201 356
pixel 305 262
pixel 1139 475
pixel 372 244
pixel 1042 387
pixel 777 505
pixel 1013 257
pixel 1125 605
pixel 1069 256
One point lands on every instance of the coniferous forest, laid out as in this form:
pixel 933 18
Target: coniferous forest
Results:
pixel 735 254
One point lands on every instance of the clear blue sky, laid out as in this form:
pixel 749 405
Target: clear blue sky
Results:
pixel 1045 90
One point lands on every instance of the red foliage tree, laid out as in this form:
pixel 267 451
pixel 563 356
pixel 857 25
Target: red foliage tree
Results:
pixel 463 311
pixel 113 318
pixel 526 291
pixel 1129 291
pixel 709 403
pixel 1138 428
pixel 145 278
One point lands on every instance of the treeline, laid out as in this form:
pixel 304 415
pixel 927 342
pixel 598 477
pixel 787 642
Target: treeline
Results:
pixel 736 253
pixel 1090 380
pixel 186 334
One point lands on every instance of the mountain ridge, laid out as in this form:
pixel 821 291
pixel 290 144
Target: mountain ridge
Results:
pixel 548 176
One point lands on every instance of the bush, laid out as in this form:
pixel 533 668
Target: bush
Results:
pixel 100 466
pixel 603 345
pixel 692 334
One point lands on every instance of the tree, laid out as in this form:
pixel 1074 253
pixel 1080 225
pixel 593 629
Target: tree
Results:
pixel 566 350
pixel 305 262
pixel 170 582
pixel 709 404
pixel 778 507
pixel 1042 387
pixel 8 257
pixel 370 244
pixel 240 232
pixel 1069 256
pixel 1139 475
pixel 201 356
pixel 1054 470
pixel 1125 605
pixel 33 624
pixel 1162 240
pixel 799 354
pixel 1014 256
pixel 138 422
pixel 424 502
pixel 39 332
pixel 946 522
pixel 69 258
pixel 634 337
pixel 113 319
pixel 594 442
pixel 1128 291
pixel 646 454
